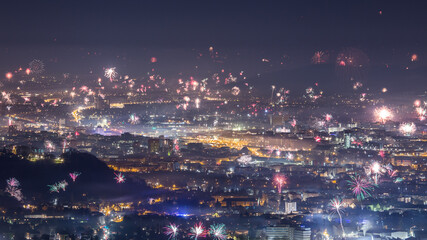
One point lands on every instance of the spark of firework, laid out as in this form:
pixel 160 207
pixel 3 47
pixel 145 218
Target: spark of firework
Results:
pixel 293 122
pixel 171 231
pixel 279 181
pixel 272 92
pixel 383 114
pixel 53 188
pixel 407 129
pixel 197 101
pixel 198 230
pixel 74 175
pixel 235 90
pixel 9 75
pixel 120 178
pixel 336 206
pixel 245 159
pixel 417 103
pixel 133 119
pixel 110 73
pixel 392 173
pixel 62 185
pixel 50 147
pixel 13 182
pixel 36 66
pixel 350 63
pixel 360 187
pixel 366 225
pixel 328 117
pixel 218 231
pixel 84 89
pixel 357 85
pixel 13 189
pixel 319 57
pixel 421 112
pixel 398 180
pixel 376 171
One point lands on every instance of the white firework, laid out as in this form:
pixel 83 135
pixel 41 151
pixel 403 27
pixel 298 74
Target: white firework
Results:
pixel 110 73
pixel 407 128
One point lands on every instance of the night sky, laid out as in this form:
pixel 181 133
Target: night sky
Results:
pixel 84 36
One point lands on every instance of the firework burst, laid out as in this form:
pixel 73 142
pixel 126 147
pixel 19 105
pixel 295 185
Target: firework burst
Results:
pixel 407 129
pixel 62 185
pixel 53 188
pixel 74 175
pixel 171 231
pixel 110 73
pixel 328 117
pixel 376 170
pixel 360 187
pixel 218 231
pixel 319 57
pixel 383 114
pixel 36 67
pixel 120 178
pixel 13 182
pixel 197 231
pixel 13 189
pixel 133 119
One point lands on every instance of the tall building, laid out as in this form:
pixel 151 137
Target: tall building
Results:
pixel 302 233
pixel 290 207
pixel 12 130
pixel 102 104
pixel 153 145
pixel 276 120
pixel 161 145
pixel 279 233
pixel 165 146
pixel 347 139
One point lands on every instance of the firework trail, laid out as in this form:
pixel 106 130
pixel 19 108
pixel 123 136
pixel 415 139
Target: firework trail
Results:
pixel 198 230
pixel 279 181
pixel 171 231
pixel 218 231
pixel 360 187
pixel 375 169
pixel 336 206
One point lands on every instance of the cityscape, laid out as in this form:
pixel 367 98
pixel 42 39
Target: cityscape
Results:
pixel 222 120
